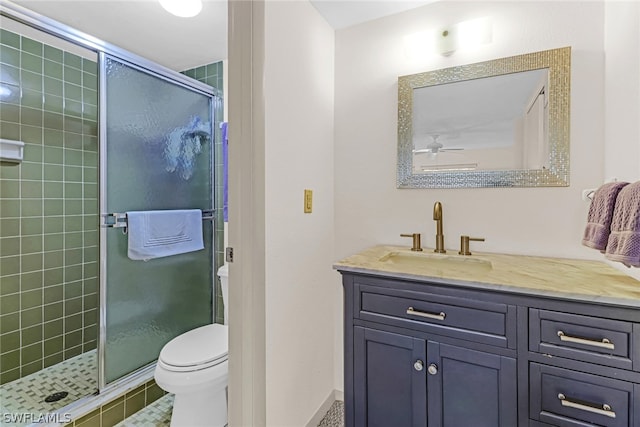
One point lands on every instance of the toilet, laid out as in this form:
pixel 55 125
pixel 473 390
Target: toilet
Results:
pixel 194 367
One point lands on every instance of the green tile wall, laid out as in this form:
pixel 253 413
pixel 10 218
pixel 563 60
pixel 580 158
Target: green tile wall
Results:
pixel 48 206
pixel 212 75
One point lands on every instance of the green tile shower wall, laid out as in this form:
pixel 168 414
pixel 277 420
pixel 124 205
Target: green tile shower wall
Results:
pixel 212 75
pixel 122 407
pixel 48 207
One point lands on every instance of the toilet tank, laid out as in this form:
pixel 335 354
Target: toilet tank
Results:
pixel 223 274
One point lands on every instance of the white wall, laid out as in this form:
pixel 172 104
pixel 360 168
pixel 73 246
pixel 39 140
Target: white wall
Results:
pixel 299 300
pixel 622 90
pixel 622 96
pixel 537 221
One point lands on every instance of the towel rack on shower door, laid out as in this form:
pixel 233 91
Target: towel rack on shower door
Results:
pixel 119 220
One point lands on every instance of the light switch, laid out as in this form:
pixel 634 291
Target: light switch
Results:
pixel 308 201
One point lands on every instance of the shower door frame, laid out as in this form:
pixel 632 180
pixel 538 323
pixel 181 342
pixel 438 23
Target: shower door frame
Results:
pixel 102 139
pixel 102 49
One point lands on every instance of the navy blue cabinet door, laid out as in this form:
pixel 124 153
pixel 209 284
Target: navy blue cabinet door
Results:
pixel 470 388
pixel 389 379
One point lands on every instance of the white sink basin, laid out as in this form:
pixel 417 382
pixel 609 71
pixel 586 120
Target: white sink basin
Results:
pixel 425 261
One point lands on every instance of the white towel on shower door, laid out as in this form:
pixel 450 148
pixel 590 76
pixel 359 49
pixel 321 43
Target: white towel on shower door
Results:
pixel 156 234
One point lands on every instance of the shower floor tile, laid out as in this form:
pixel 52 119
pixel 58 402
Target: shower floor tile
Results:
pixel 76 376
pixel 155 415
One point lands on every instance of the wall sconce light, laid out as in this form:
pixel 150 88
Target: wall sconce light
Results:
pixel 462 36
pixel 447 41
pixel 182 8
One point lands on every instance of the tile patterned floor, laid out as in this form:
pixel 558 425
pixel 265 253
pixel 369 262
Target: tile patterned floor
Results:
pixel 77 376
pixel 335 416
pixel 158 414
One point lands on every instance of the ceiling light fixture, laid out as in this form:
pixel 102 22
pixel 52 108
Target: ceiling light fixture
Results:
pixel 182 8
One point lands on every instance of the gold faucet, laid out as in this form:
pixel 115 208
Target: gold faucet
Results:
pixel 437 217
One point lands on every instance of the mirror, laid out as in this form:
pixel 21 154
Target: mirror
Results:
pixel 499 123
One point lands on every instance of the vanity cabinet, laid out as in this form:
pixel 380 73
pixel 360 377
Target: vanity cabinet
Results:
pixel 594 382
pixel 392 381
pixel 425 354
pixel 417 358
pixel 565 397
pixel 388 390
pixel 470 385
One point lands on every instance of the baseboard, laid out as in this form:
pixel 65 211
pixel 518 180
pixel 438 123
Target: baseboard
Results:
pixel 322 410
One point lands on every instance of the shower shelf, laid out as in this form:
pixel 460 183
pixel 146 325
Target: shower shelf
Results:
pixel 11 151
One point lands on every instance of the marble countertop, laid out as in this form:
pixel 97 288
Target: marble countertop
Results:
pixel 583 280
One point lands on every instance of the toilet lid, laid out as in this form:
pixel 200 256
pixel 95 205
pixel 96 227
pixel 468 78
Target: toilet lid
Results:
pixel 206 345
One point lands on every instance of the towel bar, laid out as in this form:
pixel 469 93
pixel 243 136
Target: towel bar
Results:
pixel 119 220
pixel 589 192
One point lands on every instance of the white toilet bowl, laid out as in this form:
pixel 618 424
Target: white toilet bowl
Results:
pixel 194 367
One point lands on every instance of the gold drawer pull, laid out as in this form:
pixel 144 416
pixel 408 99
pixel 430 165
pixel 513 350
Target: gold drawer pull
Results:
pixel 605 343
pixel 596 409
pixel 439 316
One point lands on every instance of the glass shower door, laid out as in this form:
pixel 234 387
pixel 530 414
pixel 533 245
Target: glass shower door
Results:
pixel 158 151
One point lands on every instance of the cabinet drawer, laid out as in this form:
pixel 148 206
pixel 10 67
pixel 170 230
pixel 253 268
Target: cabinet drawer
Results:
pixel 591 339
pixel 568 398
pixel 479 321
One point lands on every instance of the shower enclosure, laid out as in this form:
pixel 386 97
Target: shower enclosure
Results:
pixel 105 132
pixel 158 154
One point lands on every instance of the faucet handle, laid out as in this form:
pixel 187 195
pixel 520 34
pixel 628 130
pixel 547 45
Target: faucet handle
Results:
pixel 464 244
pixel 417 247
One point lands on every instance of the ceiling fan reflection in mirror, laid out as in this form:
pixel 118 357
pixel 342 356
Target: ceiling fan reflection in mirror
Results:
pixel 435 147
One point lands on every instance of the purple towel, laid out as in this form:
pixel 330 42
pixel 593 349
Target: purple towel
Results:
pixel 624 240
pixel 596 233
pixel 224 126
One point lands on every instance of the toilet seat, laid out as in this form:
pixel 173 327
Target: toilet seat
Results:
pixel 197 349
